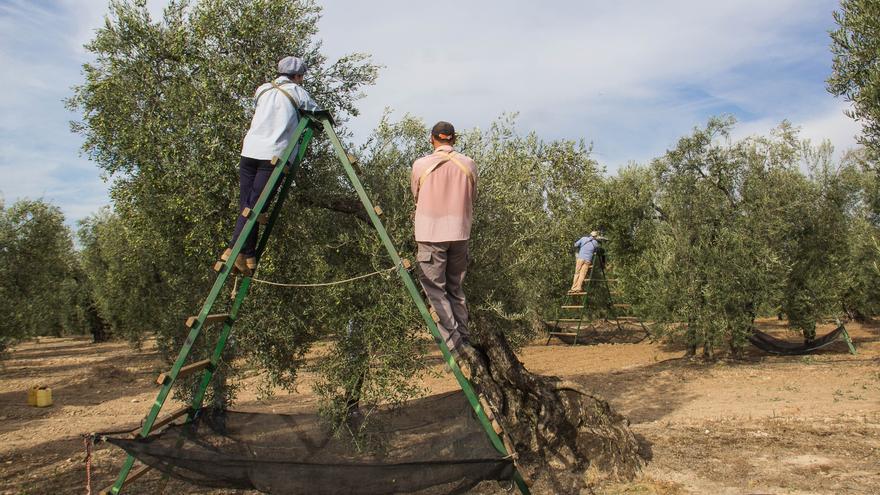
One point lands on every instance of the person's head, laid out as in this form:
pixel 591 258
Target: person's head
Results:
pixel 442 134
pixel 594 234
pixel 292 67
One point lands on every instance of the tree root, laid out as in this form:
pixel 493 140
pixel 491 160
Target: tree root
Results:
pixel 558 429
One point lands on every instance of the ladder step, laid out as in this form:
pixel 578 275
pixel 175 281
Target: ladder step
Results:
pixel 622 305
pixel 573 307
pixel 186 370
pixel 164 421
pixel 132 475
pixel 209 319
pixel 571 334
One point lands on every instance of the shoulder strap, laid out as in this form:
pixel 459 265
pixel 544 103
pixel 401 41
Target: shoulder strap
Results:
pixel 283 91
pixel 449 157
pixel 288 95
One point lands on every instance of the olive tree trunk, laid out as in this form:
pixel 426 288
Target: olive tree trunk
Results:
pixel 559 431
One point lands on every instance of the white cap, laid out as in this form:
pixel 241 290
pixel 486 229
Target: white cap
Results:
pixel 292 66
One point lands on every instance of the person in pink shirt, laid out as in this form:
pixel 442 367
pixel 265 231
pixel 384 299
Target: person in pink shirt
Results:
pixel 444 185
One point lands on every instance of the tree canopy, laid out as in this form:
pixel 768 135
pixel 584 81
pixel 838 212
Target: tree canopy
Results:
pixel 38 273
pixel 855 45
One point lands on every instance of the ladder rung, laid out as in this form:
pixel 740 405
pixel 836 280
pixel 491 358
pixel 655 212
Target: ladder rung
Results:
pixel 166 420
pixel 581 293
pixel 622 305
pixel 573 334
pixel 186 370
pixel 132 475
pixel 572 307
pixel 570 319
pixel 209 319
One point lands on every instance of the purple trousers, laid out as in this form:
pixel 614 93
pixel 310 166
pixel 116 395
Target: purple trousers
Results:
pixel 253 175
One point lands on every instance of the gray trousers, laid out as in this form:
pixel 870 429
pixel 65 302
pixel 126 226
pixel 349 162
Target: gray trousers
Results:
pixel 442 267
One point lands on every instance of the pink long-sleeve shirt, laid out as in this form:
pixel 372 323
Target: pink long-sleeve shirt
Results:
pixel 445 200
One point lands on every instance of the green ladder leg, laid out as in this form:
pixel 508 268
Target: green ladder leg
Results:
pixel 246 281
pixel 219 283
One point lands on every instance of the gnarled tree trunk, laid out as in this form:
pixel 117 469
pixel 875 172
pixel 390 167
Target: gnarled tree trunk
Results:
pixel 558 430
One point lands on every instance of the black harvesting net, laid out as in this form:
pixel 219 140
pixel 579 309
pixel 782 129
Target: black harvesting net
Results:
pixel 772 345
pixel 432 445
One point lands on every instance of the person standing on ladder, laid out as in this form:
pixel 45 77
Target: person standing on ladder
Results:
pixel 274 122
pixel 444 185
pixel 586 246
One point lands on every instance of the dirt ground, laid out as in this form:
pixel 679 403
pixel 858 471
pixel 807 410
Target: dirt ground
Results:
pixel 763 425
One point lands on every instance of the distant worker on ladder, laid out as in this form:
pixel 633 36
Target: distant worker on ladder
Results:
pixel 586 246
pixel 444 185
pixel 275 119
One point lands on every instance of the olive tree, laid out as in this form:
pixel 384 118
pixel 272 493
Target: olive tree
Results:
pixel 164 107
pixel 36 272
pixel 855 45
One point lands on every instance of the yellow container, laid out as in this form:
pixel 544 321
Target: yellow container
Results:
pixel 42 396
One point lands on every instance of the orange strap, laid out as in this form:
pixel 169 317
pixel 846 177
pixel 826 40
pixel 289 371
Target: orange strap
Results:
pixel 449 157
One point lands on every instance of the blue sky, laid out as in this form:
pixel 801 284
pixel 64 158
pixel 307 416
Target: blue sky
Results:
pixel 630 77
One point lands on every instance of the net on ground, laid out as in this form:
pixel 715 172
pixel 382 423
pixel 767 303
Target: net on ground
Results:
pixel 432 445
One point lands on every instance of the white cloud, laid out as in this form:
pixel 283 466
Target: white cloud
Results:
pixel 825 123
pixel 570 67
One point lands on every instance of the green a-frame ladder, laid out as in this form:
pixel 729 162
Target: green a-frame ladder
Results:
pixel 576 308
pixel 309 123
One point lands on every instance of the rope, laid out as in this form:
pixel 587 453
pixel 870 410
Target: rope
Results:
pixel 327 284
pixel 87 441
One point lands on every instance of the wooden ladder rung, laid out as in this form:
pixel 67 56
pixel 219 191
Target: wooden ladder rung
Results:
pixel 166 420
pixel 132 475
pixel 622 305
pixel 564 333
pixel 573 307
pixel 208 320
pixel 186 370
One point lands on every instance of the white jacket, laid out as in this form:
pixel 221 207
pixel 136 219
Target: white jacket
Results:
pixel 274 119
